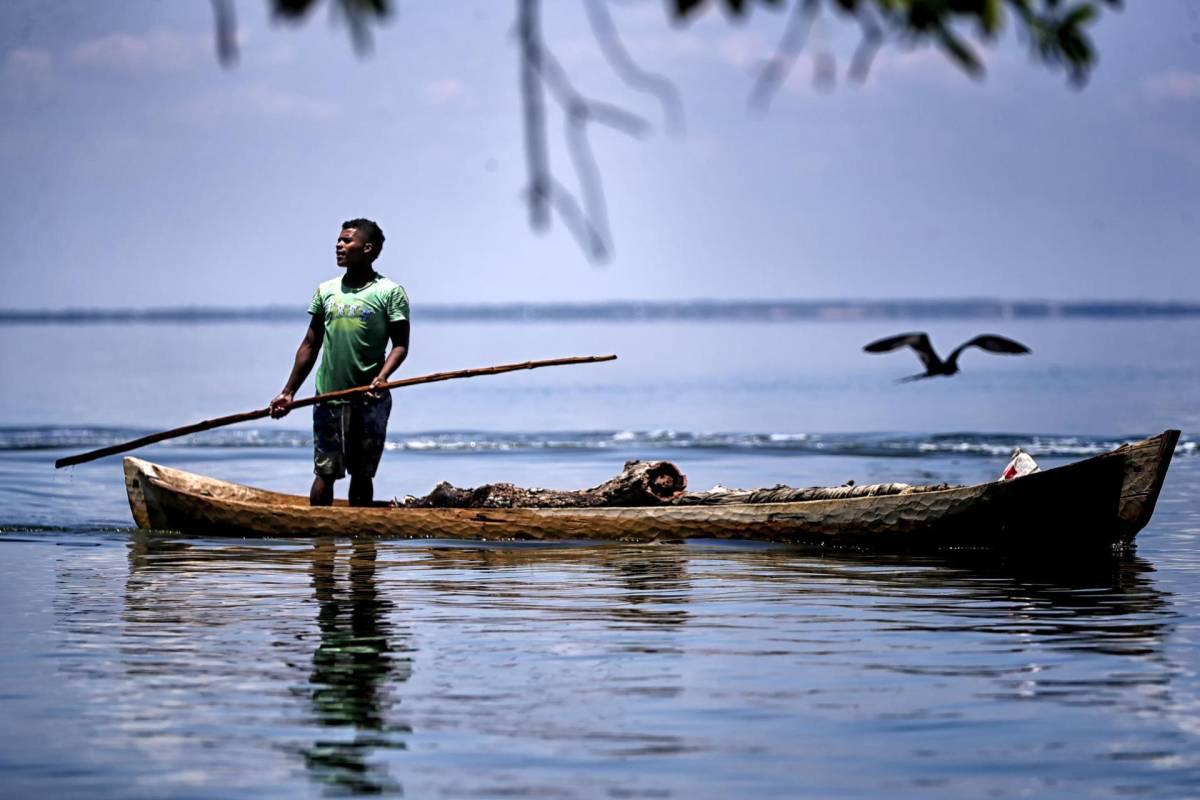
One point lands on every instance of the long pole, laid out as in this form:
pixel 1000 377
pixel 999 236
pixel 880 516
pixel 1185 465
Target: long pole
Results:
pixel 246 416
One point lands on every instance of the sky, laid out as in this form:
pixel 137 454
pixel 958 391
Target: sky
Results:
pixel 138 172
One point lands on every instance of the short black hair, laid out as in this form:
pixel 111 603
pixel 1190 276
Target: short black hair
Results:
pixel 369 228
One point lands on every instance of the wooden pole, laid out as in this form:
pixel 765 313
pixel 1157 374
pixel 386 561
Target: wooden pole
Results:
pixel 209 424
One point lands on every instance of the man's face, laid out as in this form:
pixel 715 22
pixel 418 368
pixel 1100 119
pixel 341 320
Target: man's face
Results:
pixel 353 249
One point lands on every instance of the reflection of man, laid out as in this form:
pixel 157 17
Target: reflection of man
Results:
pixel 354 316
pixel 353 667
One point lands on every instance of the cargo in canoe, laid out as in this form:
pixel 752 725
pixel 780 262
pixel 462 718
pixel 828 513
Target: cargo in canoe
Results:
pixel 1101 501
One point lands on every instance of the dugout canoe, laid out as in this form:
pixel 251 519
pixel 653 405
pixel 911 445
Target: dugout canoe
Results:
pixel 1099 501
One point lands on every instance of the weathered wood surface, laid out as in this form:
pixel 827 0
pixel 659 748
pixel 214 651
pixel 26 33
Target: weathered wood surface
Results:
pixel 790 494
pixel 1100 501
pixel 641 483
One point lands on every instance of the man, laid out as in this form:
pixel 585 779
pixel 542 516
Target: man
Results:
pixel 354 316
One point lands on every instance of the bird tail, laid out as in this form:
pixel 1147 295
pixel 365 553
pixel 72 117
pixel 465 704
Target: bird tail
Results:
pixel 917 377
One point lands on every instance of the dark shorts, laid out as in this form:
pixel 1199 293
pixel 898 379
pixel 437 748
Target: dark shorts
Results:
pixel 349 437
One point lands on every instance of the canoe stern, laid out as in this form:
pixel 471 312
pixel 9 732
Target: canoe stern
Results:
pixel 136 473
pixel 1145 471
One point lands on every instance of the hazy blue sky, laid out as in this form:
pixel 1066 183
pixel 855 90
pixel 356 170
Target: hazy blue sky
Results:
pixel 138 172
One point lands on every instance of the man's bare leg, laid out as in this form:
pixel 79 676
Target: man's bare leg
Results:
pixel 362 490
pixel 321 493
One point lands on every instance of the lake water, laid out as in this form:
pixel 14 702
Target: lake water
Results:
pixel 151 666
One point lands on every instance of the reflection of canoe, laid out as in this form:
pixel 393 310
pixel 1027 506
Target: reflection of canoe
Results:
pixel 1102 500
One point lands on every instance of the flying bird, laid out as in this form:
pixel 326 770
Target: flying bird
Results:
pixel 935 366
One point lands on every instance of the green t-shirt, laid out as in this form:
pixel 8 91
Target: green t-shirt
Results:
pixel 356 330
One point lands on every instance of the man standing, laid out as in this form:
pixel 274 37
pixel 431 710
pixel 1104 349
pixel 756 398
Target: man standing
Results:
pixel 355 316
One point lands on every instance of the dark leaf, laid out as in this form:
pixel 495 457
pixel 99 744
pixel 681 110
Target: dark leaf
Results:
pixel 293 9
pixel 961 53
pixel 992 15
pixel 684 8
pixel 1076 50
pixel 736 8
pixel 1080 15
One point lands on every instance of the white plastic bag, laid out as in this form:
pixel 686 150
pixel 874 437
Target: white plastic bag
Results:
pixel 1022 464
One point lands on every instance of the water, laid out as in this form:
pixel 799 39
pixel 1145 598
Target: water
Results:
pixel 157 666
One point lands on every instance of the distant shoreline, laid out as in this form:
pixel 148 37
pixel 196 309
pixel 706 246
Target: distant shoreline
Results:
pixel 649 311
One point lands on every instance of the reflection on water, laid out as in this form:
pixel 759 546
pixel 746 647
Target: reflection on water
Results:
pixel 701 670
pixel 359 658
pixel 354 670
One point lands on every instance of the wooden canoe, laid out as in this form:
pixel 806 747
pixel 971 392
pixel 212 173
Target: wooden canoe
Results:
pixel 1100 501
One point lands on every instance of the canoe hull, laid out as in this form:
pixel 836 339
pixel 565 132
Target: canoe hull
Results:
pixel 1101 501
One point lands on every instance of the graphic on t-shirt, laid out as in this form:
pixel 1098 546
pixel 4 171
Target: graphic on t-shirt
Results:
pixel 335 310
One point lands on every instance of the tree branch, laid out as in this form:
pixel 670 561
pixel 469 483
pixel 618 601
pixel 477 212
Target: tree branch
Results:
pixel 1056 32
pixel 587 221
pixel 533 108
pixel 225 28
pixel 633 74
pixel 776 70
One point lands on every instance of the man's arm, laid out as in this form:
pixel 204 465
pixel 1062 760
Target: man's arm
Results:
pixel 306 356
pixel 398 331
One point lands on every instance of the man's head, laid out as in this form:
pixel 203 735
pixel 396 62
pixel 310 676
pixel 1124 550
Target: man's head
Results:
pixel 359 243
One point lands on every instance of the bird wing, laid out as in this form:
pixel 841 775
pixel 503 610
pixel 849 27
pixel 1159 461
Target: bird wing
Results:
pixel 991 343
pixel 917 341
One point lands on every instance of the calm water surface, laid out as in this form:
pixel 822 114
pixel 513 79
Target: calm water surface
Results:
pixel 136 665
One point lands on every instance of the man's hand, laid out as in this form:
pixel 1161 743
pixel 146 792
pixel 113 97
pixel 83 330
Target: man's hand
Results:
pixel 281 405
pixel 377 390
